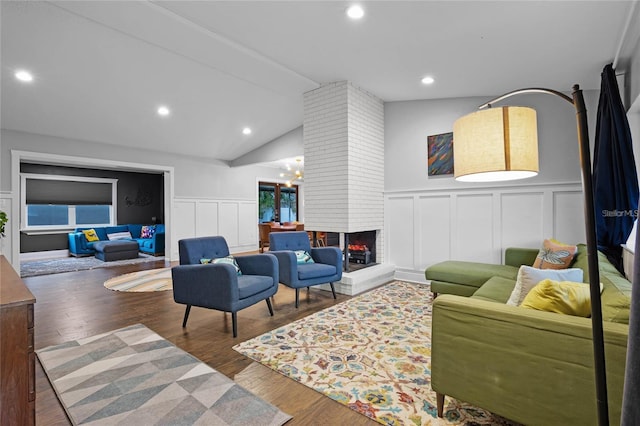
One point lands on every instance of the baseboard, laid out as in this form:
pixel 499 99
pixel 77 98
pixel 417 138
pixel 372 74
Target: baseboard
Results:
pixel 411 276
pixel 40 255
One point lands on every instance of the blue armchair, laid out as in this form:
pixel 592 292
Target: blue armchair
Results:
pixel 221 286
pixel 325 265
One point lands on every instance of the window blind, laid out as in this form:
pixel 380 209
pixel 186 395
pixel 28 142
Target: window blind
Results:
pixel 42 191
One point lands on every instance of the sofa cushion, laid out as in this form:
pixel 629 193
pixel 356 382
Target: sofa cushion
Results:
pixel 90 235
pixel 229 260
pixel 529 276
pixel 615 298
pixel 562 297
pixel 147 231
pixel 496 289
pixel 303 257
pixel 555 255
pixel 468 273
pixel 126 235
pixel 581 261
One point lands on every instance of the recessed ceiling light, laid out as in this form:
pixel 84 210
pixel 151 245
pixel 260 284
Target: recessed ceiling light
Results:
pixel 163 111
pixel 355 12
pixel 24 75
pixel 246 131
pixel 427 80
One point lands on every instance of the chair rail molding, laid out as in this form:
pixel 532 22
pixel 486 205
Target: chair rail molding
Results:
pixel 424 227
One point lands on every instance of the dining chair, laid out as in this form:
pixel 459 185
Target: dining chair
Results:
pixel 264 231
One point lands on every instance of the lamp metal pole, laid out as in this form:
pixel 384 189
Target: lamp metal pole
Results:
pixel 592 244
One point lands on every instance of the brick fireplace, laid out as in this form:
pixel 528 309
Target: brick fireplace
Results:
pixel 343 136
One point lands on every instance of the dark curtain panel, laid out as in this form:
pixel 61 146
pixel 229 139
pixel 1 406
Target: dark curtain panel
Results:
pixel 615 182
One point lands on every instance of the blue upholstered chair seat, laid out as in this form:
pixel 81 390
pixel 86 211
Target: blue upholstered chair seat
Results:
pixel 315 270
pixel 249 285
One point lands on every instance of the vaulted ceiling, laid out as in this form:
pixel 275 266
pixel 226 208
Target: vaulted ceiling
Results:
pixel 101 68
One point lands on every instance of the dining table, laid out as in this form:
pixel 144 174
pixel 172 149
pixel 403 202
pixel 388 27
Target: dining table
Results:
pixel 283 228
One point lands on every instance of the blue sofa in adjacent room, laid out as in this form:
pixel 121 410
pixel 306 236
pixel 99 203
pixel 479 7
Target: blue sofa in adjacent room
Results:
pixel 150 238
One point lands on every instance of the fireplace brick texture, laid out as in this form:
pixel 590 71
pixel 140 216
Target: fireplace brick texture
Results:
pixel 343 136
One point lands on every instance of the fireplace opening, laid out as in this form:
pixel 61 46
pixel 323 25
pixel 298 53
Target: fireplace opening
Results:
pixel 360 250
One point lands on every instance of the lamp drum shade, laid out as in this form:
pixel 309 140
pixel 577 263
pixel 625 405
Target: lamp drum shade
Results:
pixel 496 144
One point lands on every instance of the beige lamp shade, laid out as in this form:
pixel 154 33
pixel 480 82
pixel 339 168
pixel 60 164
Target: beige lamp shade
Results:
pixel 496 144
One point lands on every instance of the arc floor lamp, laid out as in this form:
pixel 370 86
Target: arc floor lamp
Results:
pixel 496 144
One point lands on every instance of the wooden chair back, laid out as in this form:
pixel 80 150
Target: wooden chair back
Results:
pixel 264 231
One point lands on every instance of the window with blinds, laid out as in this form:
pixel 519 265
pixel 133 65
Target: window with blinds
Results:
pixel 52 202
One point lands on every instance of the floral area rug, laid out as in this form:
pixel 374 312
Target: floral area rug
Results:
pixel 371 353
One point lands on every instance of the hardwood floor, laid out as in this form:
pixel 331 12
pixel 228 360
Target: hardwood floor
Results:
pixel 76 304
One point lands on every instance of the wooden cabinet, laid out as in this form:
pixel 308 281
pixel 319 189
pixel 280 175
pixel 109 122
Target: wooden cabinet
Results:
pixel 17 357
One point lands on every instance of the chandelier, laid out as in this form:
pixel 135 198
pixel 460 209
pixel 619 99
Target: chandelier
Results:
pixel 293 174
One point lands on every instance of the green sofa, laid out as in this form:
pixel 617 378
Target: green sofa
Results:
pixel 532 367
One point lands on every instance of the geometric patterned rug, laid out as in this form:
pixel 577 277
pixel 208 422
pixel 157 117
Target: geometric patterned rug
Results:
pixel 371 353
pixel 133 376
pixel 148 280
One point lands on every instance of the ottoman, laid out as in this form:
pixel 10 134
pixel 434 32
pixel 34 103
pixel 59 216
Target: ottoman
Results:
pixel 108 251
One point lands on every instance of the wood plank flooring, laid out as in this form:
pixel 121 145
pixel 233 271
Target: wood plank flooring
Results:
pixel 76 304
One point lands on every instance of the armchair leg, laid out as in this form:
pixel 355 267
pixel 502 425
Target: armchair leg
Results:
pixel 234 323
pixel 297 297
pixel 269 305
pixel 333 290
pixel 440 403
pixel 186 316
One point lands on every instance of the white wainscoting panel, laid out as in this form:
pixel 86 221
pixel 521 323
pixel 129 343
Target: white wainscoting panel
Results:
pixel 522 218
pixel 247 214
pixel 434 218
pixel 568 216
pixel 427 227
pixel 235 220
pixel 400 231
pixel 207 218
pixel 229 217
pixel 473 232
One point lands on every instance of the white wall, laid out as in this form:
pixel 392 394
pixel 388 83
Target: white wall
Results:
pixel 194 178
pixel 408 124
pixel 430 219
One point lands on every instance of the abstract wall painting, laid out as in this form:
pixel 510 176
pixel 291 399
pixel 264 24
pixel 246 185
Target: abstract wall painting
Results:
pixel 440 157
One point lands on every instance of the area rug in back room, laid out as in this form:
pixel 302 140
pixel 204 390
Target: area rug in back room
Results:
pixel 371 353
pixel 73 264
pixel 133 376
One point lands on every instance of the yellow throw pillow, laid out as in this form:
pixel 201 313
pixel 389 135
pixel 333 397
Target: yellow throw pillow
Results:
pixel 563 297
pixel 90 235
pixel 555 255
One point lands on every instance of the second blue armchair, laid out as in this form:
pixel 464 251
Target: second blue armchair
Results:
pixel 300 265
